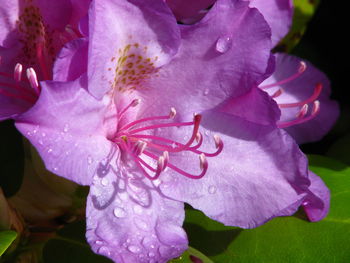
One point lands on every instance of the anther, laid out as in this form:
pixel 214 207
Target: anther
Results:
pixel 33 80
pixel 316 107
pixel 166 158
pixel 172 113
pixel 218 141
pixel 17 74
pixel 198 137
pixel 140 146
pixel 203 163
pixel 302 67
pixel 303 111
pixel 277 93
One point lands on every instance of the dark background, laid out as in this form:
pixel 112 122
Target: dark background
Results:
pixel 325 46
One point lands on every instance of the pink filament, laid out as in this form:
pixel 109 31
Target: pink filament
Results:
pixel 313 97
pixel 301 70
pixel 135 144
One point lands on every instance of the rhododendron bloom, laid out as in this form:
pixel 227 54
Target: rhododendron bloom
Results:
pixel 154 133
pixel 31 34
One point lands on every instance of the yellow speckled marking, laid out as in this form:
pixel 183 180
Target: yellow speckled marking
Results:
pixel 132 68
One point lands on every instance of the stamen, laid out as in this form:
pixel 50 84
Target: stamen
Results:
pixel 313 97
pixel 33 80
pixel 277 93
pixel 135 144
pixel 301 69
pixel 314 112
pixel 17 74
pixel 132 104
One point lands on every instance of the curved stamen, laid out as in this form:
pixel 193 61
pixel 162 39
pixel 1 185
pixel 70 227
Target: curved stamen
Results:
pixel 301 70
pixel 132 104
pixel 312 98
pixel 203 165
pixel 277 93
pixel 170 116
pixel 33 80
pixel 302 119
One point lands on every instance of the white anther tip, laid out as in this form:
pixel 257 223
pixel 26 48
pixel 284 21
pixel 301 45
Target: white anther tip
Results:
pixel 316 107
pixel 31 75
pixel 203 163
pixel 198 136
pixel 18 72
pixel 161 163
pixel 302 67
pixel 217 140
pixel 303 111
pixel 172 113
pixel 135 102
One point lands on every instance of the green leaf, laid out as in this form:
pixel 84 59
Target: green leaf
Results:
pixel 303 12
pixel 192 255
pixel 288 239
pixel 340 150
pixel 70 246
pixel 6 239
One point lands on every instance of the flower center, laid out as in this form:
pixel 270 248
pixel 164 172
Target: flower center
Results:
pixel 141 145
pixel 13 87
pixel 304 114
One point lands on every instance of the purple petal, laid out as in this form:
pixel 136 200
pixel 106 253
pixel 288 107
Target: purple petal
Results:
pixel 130 222
pixel 256 106
pixel 68 128
pixel 185 9
pixel 316 205
pixel 260 174
pixel 278 14
pixel 299 90
pixel 222 56
pixel 71 62
pixel 143 33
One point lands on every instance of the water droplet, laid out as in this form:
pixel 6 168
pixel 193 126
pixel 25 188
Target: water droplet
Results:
pixel 55 169
pixel 104 251
pixel 163 251
pixel 43 134
pixel 66 128
pixel 305 203
pixel 141 224
pixel 104 181
pixel 223 44
pixel 41 142
pixel 148 243
pixel 212 189
pixel 89 159
pixel 119 212
pixel 157 182
pixel 49 150
pixel 151 254
pixel 134 249
pixel 98 242
pixel 29 133
pixel 206 92
pixel 138 210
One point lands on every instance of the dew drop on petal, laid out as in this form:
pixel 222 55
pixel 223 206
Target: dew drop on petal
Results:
pixel 223 44
pixel 43 134
pixel 212 189
pixel 134 249
pixel 141 224
pixel 89 159
pixel 98 242
pixel 119 212
pixel 49 150
pixel 138 209
pixel 151 254
pixel 104 251
pixel 104 181
pixel 206 92
pixel 66 128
